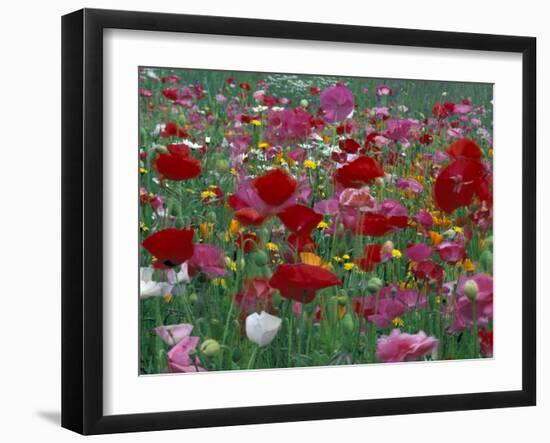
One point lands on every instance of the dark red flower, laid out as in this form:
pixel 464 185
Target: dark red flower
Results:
pixel 177 164
pixel 249 242
pixel 249 216
pixel 464 149
pixel 485 342
pixel 428 270
pixel 359 172
pixel 301 282
pixel 301 220
pixel 172 129
pixel 372 256
pixel 170 246
pixel 301 243
pixel 244 86
pixel 349 145
pixel 275 187
pixel 426 139
pixel 313 90
pixel 457 182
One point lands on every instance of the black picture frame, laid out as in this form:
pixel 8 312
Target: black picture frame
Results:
pixel 82 187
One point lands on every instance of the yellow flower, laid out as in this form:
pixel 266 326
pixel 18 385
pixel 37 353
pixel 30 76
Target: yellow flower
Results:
pixel 398 322
pixel 233 171
pixel 310 164
pixel 234 227
pixel 337 259
pixel 322 225
pixel 458 229
pixel 255 122
pixel 207 230
pixel 143 171
pixel 151 194
pixel 219 282
pixel 143 227
pixel 346 257
pixel 309 258
pixel 263 145
pixel 231 264
pixel 190 190
pixel 469 265
pixel 168 298
pixel 436 238
pixel 205 195
pixel 272 247
pixel 396 253
pixel 349 266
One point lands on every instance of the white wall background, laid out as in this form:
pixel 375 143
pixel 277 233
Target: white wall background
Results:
pixel 30 222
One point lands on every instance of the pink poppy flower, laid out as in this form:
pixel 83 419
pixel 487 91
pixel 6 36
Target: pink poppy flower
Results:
pixel 357 198
pixel 145 93
pixel 410 184
pixel 399 347
pixel 418 252
pixel 179 359
pixel 337 103
pixel 208 259
pixel 173 334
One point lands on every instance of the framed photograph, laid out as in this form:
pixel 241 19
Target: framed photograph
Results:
pixel 269 221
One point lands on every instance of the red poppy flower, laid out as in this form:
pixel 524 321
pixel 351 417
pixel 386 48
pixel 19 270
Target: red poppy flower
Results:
pixel 359 172
pixel 275 187
pixel 465 149
pixel 249 216
pixel 244 86
pixel 349 145
pixel 177 164
pixel 301 243
pixel 372 256
pixel 170 246
pixel 172 129
pixel 301 282
pixel 313 90
pixel 249 242
pixel 486 342
pixel 428 270
pixel 426 139
pixel 301 220
pixel 439 111
pixel 376 225
pixel 456 184
pixel 170 93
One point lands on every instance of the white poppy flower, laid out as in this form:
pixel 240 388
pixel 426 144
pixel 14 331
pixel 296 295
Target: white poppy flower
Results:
pixel 261 329
pixel 150 288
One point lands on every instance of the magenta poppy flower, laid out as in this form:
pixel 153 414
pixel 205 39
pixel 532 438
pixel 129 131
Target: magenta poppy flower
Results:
pixel 451 252
pixel 418 252
pixel 399 347
pixel 425 219
pixel 383 90
pixel 208 259
pixel 326 207
pixel 464 310
pixel 337 103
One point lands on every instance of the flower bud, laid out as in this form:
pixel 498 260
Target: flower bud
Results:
pixel 488 243
pixel 471 289
pixel 304 103
pixel 374 285
pixel 260 258
pixel 450 234
pixel 343 299
pixel 181 118
pixel 347 323
pixel 210 348
pixel 221 165
pixel 193 298
pixel 486 260
pixel 161 149
pixel 211 217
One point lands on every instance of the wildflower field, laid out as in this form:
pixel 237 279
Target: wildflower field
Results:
pixel 300 220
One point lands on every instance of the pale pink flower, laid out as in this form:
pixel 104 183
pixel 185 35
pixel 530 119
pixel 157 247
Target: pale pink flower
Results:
pixel 398 346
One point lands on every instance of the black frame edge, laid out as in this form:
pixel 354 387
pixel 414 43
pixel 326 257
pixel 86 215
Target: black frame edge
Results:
pixel 72 316
pixel 82 365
